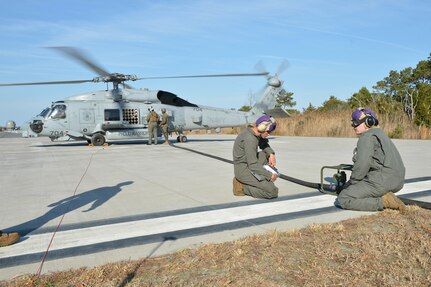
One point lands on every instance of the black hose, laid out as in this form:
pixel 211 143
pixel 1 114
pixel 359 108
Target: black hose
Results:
pixel 325 188
pixel 318 186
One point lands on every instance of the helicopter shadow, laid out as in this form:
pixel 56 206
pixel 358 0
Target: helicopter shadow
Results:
pixel 96 196
pixel 126 142
pixel 206 140
pixel 75 143
pixel 85 144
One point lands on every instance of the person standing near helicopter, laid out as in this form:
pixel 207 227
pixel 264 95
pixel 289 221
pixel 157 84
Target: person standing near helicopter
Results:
pixel 153 123
pixel 164 124
pixel 251 178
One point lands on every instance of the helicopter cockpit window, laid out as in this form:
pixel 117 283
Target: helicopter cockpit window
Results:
pixel 44 113
pixel 58 112
pixel 112 115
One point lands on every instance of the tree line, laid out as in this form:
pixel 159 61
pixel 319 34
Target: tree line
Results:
pixel 407 91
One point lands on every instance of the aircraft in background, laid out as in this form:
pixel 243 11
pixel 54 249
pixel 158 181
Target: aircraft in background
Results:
pixel 120 112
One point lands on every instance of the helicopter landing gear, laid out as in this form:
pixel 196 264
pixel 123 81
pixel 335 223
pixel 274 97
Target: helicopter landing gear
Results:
pixel 98 139
pixel 181 139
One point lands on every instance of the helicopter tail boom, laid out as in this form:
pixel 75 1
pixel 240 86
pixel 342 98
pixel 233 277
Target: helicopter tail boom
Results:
pixel 267 101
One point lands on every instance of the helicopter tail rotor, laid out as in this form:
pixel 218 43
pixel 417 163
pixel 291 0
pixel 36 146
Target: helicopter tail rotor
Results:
pixel 284 65
pixel 267 94
pixel 272 79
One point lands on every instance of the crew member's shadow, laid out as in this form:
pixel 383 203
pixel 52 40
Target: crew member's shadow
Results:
pixel 96 196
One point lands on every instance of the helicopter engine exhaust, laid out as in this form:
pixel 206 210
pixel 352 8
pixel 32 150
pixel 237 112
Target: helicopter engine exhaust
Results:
pixel 37 126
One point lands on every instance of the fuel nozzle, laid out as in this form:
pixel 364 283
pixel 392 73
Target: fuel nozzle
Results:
pixel 340 179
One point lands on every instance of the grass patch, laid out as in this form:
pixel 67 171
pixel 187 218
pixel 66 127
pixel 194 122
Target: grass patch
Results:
pixel 331 124
pixel 384 249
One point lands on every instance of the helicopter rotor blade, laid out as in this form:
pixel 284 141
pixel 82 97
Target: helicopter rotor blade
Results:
pixel 260 67
pixel 204 76
pixel 47 83
pixel 116 78
pixel 79 56
pixel 284 65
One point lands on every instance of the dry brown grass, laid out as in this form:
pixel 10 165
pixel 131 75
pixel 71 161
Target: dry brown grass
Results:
pixel 325 124
pixel 384 249
pixel 338 125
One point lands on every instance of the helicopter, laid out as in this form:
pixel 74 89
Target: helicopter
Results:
pixel 120 113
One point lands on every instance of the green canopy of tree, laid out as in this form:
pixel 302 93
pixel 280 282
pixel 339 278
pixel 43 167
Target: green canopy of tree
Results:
pixel 408 90
pixel 333 105
pixel 245 108
pixel 309 109
pixel 284 99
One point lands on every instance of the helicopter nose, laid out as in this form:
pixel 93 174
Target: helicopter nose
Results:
pixel 36 126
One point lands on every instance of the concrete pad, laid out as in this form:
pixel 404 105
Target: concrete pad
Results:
pixel 130 200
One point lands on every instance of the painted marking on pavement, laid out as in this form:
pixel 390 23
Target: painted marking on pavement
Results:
pixel 107 233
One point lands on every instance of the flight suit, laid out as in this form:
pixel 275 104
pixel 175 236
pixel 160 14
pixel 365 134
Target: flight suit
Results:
pixel 152 120
pixel 377 170
pixel 164 124
pixel 248 165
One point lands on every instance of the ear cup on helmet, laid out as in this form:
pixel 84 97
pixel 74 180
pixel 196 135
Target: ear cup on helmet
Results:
pixel 266 123
pixel 370 118
pixel 263 126
pixel 370 121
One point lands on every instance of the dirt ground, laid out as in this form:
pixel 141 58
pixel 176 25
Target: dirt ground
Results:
pixel 384 249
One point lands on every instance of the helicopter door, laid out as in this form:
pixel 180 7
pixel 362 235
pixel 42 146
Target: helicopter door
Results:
pixel 86 120
pixel 59 124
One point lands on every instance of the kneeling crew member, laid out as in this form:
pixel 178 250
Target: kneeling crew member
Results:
pixel 251 178
pixel 378 170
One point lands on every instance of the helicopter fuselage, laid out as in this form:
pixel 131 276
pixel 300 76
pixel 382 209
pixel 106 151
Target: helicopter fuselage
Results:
pixel 121 114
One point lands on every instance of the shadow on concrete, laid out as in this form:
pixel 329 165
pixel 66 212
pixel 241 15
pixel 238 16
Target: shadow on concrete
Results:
pixel 96 196
pixel 60 144
pixel 127 142
pixel 417 179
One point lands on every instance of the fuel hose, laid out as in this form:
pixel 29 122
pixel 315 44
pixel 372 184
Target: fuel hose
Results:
pixel 327 187
pixel 324 188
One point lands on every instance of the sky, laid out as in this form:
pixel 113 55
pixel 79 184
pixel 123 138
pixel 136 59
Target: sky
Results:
pixel 333 47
